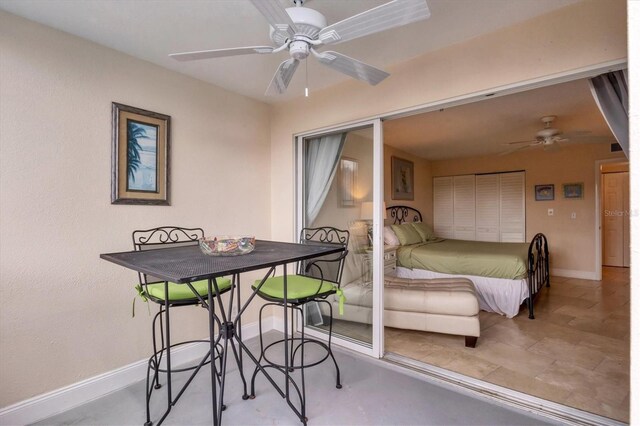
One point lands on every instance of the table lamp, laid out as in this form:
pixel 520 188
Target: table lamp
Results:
pixel 366 214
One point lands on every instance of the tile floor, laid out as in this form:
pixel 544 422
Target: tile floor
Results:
pixel 576 351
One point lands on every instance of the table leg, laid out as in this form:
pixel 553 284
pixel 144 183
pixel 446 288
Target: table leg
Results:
pixel 237 327
pixel 212 343
pixel 229 330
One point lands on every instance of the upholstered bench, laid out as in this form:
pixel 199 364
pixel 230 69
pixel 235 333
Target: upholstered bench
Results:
pixel 446 305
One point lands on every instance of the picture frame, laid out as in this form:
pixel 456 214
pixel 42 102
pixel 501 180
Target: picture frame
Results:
pixel 544 192
pixel 573 191
pixel 348 182
pixel 401 179
pixel 140 143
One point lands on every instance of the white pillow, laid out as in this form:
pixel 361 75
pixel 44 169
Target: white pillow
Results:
pixel 390 237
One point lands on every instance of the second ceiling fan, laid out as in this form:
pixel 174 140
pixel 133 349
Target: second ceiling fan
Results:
pixel 302 31
pixel 548 138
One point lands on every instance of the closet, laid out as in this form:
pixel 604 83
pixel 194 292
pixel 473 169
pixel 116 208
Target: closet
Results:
pixel 483 207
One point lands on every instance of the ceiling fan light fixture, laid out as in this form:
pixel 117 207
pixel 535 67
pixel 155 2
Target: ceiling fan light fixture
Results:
pixel 548 132
pixel 308 22
pixel 299 49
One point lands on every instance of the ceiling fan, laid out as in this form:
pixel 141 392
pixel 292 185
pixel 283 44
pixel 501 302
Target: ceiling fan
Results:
pixel 548 138
pixel 302 31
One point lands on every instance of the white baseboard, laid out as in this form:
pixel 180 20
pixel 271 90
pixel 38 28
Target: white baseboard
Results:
pixel 570 273
pixel 51 403
pixel 277 323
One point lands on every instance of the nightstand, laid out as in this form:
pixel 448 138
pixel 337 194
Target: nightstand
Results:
pixel 389 263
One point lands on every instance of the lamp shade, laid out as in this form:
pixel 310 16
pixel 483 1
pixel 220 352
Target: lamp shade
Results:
pixel 366 210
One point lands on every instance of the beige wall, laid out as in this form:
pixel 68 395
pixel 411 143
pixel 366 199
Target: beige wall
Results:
pixel 571 241
pixel 66 314
pixel 576 36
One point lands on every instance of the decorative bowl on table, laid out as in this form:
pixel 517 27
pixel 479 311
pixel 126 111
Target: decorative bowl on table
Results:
pixel 227 246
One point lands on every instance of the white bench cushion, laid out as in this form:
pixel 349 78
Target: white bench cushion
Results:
pixel 448 296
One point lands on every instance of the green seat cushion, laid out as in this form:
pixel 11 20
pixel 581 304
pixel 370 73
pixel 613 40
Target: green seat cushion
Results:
pixel 183 292
pixel 298 287
pixel 407 234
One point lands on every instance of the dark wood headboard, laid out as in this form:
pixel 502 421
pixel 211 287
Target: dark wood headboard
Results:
pixel 402 214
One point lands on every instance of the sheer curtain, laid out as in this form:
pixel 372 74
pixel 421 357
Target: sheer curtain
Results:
pixel 611 92
pixel 323 155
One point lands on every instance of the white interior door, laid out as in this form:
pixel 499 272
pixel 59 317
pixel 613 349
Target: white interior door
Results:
pixel 443 207
pixel 487 211
pixel 613 253
pixel 464 211
pixel 512 207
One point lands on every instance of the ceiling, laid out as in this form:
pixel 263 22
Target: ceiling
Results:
pixel 150 30
pixel 485 127
pixel 475 129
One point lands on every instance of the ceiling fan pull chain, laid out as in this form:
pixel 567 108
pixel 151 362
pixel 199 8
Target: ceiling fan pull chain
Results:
pixel 306 78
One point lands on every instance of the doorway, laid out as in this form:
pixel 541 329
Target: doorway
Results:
pixel 615 214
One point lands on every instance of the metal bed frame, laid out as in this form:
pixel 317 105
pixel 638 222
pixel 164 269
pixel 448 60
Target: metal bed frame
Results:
pixel 538 254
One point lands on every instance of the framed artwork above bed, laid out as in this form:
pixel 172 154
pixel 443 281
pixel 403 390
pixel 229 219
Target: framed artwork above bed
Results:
pixel 401 179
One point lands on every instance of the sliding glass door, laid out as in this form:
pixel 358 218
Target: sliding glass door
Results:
pixel 339 185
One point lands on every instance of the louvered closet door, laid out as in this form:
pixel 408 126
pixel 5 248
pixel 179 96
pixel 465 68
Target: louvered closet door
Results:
pixel 464 207
pixel 443 207
pixel 487 207
pixel 512 209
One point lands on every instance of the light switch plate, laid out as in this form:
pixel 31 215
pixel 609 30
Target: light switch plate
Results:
pixel 550 212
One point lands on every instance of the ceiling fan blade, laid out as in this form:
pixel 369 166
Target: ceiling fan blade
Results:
pixel 511 151
pixel 219 53
pixel 577 133
pixel 351 67
pixel 381 18
pixel 531 142
pixel 282 77
pixel 591 139
pixel 276 16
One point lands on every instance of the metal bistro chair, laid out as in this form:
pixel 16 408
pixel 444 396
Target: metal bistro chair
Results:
pixel 156 290
pixel 315 280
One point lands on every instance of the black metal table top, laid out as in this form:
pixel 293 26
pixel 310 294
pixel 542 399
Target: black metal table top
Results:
pixel 187 264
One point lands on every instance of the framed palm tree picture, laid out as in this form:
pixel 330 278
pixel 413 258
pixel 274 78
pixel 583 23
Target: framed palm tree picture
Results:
pixel 140 156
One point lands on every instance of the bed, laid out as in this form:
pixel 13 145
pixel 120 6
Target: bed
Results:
pixel 505 275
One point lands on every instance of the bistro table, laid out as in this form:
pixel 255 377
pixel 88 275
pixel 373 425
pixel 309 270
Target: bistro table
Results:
pixel 184 265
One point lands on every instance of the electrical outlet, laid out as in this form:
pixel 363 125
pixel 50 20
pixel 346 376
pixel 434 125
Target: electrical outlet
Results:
pixel 550 212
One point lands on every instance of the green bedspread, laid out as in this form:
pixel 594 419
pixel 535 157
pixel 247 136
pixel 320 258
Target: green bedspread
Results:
pixel 458 257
